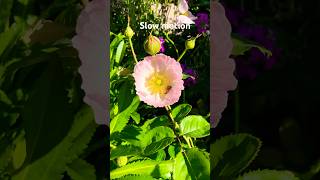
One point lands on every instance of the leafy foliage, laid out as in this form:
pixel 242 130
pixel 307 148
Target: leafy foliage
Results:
pixel 55 162
pixel 232 154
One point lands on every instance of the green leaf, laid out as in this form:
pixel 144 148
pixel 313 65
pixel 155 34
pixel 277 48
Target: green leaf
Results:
pixel 173 150
pixel 136 117
pixel 156 169
pixel 9 37
pixel 79 169
pixel 161 155
pixel 5 11
pixel 121 49
pixel 126 95
pixel 120 121
pixel 19 154
pixel 142 177
pixel 181 111
pixel 124 150
pixel 4 98
pixel 194 126
pixel 156 139
pixel 47 109
pixel 240 46
pixel 232 154
pixel 155 122
pixel 54 163
pixel 193 165
pixel 268 175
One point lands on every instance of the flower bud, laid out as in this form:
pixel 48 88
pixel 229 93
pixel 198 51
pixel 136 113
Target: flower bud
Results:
pixel 129 32
pixel 190 43
pixel 122 160
pixel 152 45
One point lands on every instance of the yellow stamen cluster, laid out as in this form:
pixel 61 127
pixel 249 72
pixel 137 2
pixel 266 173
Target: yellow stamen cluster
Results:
pixel 158 83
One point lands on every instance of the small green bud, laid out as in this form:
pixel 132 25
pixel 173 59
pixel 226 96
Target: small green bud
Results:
pixel 152 45
pixel 122 160
pixel 129 32
pixel 190 43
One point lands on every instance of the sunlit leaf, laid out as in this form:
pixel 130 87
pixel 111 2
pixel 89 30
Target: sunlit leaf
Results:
pixel 193 165
pixel 232 154
pixel 195 126
pixel 148 167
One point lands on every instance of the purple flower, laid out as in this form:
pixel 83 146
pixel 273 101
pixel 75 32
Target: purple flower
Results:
pixel 162 49
pixel 192 80
pixel 202 22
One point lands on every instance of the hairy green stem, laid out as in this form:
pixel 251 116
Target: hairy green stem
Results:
pixel 188 140
pixel 132 50
pixel 170 40
pixel 184 52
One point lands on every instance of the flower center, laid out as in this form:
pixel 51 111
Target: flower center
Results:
pixel 158 83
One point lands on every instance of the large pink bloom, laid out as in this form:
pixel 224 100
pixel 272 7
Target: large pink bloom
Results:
pixel 91 44
pixel 222 78
pixel 158 80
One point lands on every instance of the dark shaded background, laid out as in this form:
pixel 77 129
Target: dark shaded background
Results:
pixel 281 105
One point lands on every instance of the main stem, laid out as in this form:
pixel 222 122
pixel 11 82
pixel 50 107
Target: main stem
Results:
pixel 188 140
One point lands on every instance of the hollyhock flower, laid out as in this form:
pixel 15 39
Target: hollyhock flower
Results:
pixel 222 78
pixel 202 22
pixel 91 44
pixel 158 80
pixel 162 41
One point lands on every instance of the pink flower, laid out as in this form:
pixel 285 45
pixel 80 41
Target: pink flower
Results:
pixel 91 44
pixel 222 78
pixel 158 80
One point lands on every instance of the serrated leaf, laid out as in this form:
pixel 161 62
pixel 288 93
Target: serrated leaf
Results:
pixel 79 169
pixel 268 175
pixel 156 139
pixel 136 117
pixel 142 177
pixel 194 126
pixel 120 121
pixel 121 49
pixel 193 165
pixel 126 95
pixel 124 150
pixel 47 109
pixel 157 169
pixel 155 122
pixel 181 111
pixel 232 154
pixel 240 46
pixel 53 164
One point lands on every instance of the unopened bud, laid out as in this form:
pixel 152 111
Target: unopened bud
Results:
pixel 190 43
pixel 152 45
pixel 129 32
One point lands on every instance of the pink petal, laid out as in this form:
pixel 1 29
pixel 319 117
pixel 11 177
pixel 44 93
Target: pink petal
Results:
pixel 91 44
pixel 222 78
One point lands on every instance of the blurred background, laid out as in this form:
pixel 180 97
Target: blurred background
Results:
pixel 277 98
